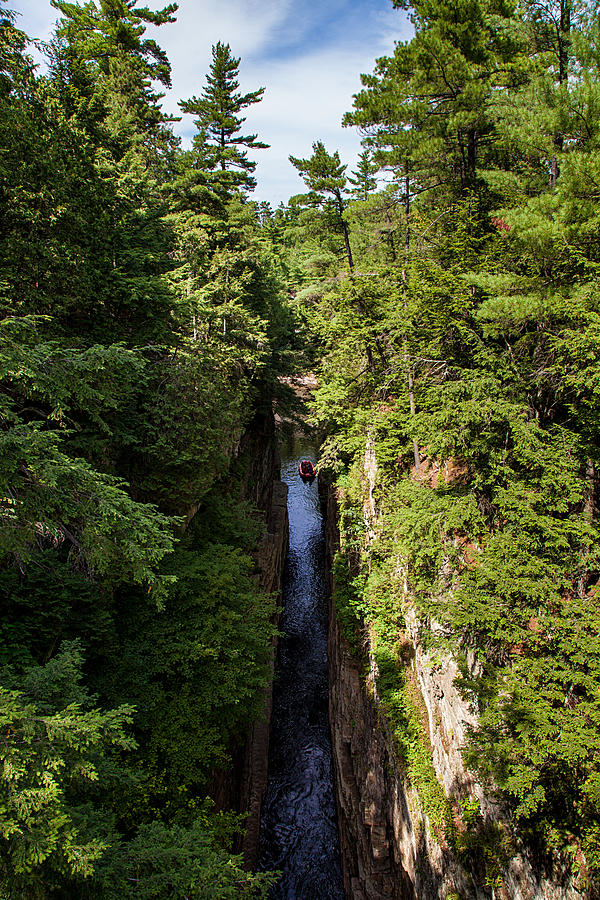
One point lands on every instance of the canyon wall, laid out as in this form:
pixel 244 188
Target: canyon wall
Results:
pixel 389 847
pixel 257 464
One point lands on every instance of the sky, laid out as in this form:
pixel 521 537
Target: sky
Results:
pixel 307 54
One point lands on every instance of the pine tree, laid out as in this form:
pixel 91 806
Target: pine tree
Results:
pixel 325 176
pixel 103 44
pixel 56 746
pixel 500 321
pixel 112 237
pixel 219 122
pixel 364 182
pixel 425 109
pixel 102 74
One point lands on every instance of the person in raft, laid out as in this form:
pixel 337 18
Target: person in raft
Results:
pixel 307 469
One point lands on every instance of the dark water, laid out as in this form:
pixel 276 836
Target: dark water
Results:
pixel 299 833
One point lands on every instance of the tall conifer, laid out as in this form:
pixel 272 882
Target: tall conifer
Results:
pixel 325 176
pixel 219 121
pixel 364 181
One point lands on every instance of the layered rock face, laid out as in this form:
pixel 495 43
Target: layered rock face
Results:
pixel 389 848
pixel 242 788
pixel 376 831
pixel 386 849
pixel 271 557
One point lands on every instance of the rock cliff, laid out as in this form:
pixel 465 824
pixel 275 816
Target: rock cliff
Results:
pixel 242 788
pixel 389 847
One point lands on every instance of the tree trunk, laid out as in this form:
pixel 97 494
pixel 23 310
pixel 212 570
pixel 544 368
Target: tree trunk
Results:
pixel 463 161
pixel 563 29
pixel 409 375
pixel 563 40
pixel 554 170
pixel 347 244
pixel 346 234
pixel 472 154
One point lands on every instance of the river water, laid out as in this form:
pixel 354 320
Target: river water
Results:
pixel 299 834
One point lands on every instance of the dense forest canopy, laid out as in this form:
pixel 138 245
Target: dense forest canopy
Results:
pixel 446 292
pixel 142 326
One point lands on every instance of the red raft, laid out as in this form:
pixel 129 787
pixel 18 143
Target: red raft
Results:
pixel 307 470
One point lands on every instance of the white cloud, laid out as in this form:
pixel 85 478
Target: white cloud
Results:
pixel 307 92
pixel 305 101
pixel 244 24
pixel 308 55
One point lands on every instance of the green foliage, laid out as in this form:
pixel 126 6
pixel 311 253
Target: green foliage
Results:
pixel 346 602
pixel 55 500
pixel 464 352
pixel 219 137
pixel 323 172
pixel 161 860
pixel 484 846
pixel 325 176
pixel 425 109
pixel 364 182
pixel 142 319
pixel 56 745
pixel 375 600
pixel 201 667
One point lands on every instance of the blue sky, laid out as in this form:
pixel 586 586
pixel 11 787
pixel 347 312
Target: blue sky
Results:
pixel 307 54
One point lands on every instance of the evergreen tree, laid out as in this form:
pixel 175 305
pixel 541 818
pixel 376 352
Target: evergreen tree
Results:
pixel 425 110
pixel 142 322
pixel 364 182
pixel 325 176
pixel 114 399
pixel 101 49
pixel 482 260
pixel 219 122
pixel 56 746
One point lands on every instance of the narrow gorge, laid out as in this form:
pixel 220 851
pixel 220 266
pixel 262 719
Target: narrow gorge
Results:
pixel 223 677
pixel 299 824
pixel 326 682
